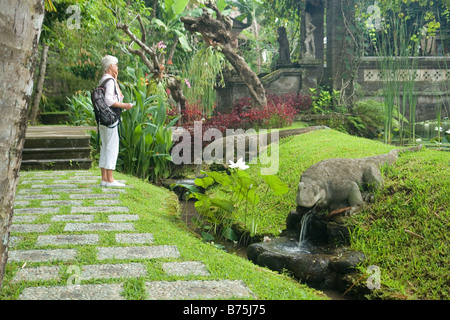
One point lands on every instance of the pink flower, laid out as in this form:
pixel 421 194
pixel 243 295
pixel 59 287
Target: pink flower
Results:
pixel 160 45
pixel 187 83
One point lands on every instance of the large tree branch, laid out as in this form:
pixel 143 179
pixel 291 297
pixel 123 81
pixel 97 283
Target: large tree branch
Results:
pixel 153 64
pixel 217 32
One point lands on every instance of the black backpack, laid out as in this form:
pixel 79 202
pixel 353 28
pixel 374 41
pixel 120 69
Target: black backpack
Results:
pixel 103 114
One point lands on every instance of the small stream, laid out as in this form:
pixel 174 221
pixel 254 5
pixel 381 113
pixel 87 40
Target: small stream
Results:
pixel 303 247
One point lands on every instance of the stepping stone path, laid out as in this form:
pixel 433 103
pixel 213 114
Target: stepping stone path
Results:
pixel 77 227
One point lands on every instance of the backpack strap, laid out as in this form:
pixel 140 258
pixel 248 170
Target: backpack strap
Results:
pixel 106 80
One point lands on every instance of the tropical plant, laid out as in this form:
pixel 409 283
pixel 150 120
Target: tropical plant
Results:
pixel 146 138
pixel 81 112
pixel 238 189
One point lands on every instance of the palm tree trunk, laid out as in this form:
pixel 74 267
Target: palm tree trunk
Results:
pixel 40 85
pixel 19 37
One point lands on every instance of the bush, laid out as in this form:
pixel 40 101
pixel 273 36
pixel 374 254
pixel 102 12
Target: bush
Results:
pixel 81 112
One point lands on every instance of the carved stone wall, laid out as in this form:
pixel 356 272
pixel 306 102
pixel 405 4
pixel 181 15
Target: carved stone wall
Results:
pixel 431 83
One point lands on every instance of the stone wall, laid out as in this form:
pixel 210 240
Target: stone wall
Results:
pixel 431 83
pixel 281 81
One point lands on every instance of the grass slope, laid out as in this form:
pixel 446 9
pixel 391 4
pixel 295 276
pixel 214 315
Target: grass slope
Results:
pixel 413 200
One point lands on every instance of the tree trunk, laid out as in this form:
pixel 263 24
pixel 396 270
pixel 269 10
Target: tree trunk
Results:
pixel 217 33
pixel 19 36
pixel 40 85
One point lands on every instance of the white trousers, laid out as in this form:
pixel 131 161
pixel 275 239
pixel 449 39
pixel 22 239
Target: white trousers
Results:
pixel 109 149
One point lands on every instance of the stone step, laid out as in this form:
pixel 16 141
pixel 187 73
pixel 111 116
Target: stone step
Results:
pixel 52 164
pixel 46 141
pixel 197 289
pixel 56 153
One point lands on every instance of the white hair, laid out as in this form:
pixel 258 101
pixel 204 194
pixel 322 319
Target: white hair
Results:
pixel 107 61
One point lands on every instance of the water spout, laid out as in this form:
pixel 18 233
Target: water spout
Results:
pixel 304 226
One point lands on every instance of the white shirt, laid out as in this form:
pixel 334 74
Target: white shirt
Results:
pixel 110 93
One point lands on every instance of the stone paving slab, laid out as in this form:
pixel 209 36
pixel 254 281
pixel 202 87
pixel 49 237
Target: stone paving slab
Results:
pixel 109 190
pixel 147 252
pixel 73 190
pixel 123 217
pixel 99 209
pixel 99 226
pixel 28 228
pixel 25 218
pixel 53 186
pixel 95 196
pixel 74 239
pixel 36 210
pixel 185 268
pixel 62 203
pixel 54 173
pixel 37 197
pixel 107 271
pixel 21 203
pixel 197 289
pixel 74 292
pixel 42 255
pixel 37 274
pixel 78 181
pixel 73 217
pixel 106 202
pixel 138 238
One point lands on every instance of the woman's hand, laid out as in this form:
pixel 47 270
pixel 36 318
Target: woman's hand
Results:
pixel 127 106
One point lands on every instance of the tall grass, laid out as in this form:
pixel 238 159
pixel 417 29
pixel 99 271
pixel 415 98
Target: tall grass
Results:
pixel 398 43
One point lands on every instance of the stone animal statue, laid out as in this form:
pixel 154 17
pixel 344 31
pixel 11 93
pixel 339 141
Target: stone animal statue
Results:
pixel 337 183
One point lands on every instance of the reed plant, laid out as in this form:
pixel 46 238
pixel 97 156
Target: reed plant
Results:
pixel 396 49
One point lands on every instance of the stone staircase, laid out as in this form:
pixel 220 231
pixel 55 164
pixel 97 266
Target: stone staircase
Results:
pixel 56 148
pixel 82 226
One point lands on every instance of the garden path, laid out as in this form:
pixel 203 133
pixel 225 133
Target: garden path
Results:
pixel 63 235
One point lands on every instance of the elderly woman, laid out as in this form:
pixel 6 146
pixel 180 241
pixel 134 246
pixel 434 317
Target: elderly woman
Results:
pixel 109 135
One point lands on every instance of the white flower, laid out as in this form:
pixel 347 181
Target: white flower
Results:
pixel 418 140
pixel 448 131
pixel 438 129
pixel 240 164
